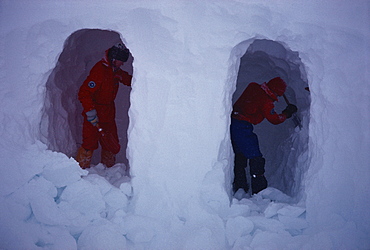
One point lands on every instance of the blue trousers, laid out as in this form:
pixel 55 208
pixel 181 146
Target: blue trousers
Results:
pixel 243 139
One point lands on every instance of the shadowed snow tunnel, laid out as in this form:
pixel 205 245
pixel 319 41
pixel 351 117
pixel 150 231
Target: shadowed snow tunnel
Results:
pixel 192 58
pixel 285 146
pixel 62 120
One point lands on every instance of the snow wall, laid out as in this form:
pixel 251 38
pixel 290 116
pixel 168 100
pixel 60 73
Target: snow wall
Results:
pixel 186 64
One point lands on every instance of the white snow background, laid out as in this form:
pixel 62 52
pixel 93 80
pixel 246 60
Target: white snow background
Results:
pixel 172 186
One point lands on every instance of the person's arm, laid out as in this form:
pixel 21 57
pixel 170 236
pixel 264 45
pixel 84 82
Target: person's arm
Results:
pixel 125 78
pixel 89 88
pixel 271 115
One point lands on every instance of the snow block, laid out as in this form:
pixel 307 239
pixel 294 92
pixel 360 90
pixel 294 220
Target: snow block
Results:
pixel 101 235
pixel 238 227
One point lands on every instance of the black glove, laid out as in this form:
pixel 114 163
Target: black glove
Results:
pixel 290 110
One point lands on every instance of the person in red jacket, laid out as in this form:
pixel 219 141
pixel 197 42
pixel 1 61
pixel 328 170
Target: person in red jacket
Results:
pixel 254 105
pixel 97 95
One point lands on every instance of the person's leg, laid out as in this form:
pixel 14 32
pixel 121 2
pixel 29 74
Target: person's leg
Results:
pixel 84 157
pixel 245 141
pixel 240 179
pixel 108 158
pixel 239 131
pixel 256 161
pixel 90 139
pixel 257 170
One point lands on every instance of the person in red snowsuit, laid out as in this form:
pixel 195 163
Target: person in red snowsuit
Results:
pixel 254 105
pixel 97 95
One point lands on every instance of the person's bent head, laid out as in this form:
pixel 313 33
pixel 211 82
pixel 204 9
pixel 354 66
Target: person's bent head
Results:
pixel 277 85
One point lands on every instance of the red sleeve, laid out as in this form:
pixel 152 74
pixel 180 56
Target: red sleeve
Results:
pixel 271 115
pixel 90 86
pixel 125 78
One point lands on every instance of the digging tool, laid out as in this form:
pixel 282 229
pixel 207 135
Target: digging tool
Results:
pixel 295 118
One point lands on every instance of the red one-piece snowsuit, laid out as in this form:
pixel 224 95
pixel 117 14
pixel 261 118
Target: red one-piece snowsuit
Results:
pixel 98 92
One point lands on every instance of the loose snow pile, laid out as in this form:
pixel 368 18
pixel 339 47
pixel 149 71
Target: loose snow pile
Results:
pixel 172 186
pixel 64 207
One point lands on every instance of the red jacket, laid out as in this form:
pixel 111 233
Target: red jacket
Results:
pixel 100 88
pixel 257 103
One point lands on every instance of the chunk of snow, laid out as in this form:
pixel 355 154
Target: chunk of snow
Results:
pixel 238 227
pixel 101 235
pixel 291 211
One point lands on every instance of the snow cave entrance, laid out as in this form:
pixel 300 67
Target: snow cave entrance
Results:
pixel 285 146
pixel 61 124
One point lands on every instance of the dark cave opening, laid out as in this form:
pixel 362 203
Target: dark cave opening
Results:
pixel 61 124
pixel 284 146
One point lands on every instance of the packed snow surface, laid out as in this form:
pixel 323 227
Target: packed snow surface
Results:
pixel 171 187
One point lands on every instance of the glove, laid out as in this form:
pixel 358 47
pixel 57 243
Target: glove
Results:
pixel 92 117
pixel 290 110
